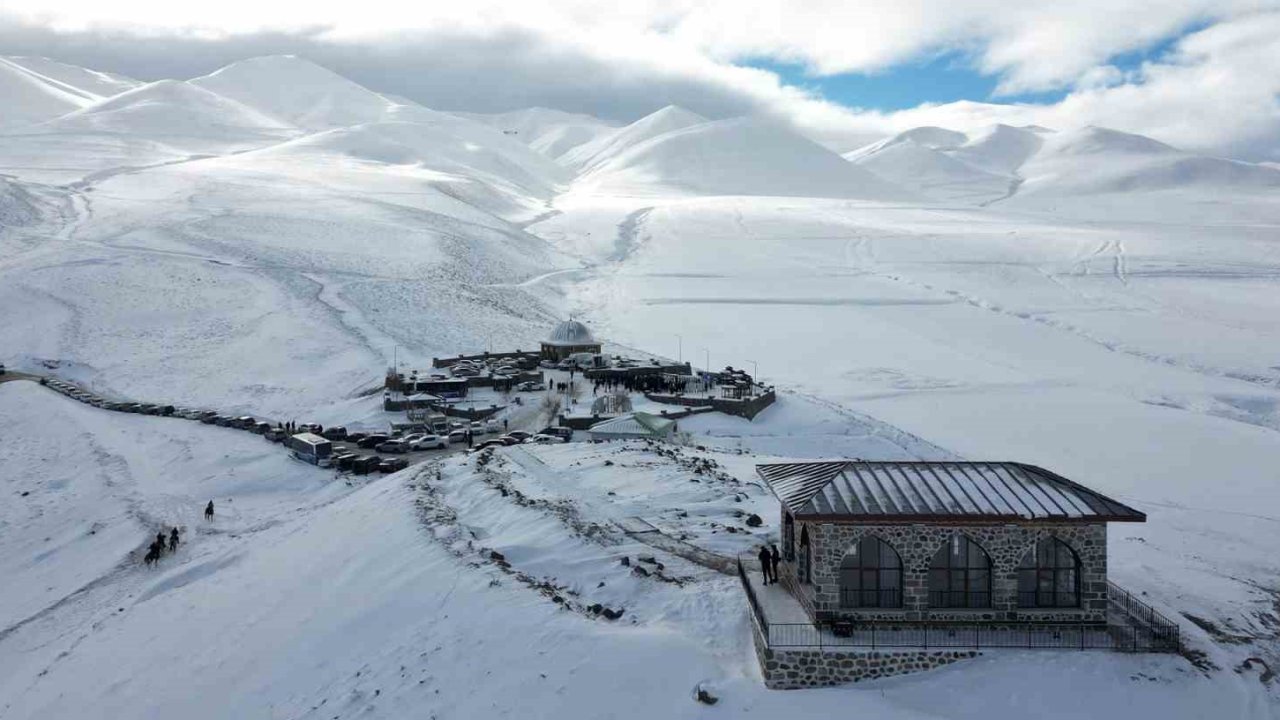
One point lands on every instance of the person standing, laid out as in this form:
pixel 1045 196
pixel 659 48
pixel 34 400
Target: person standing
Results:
pixel 208 511
pixel 173 539
pixel 775 557
pixel 766 563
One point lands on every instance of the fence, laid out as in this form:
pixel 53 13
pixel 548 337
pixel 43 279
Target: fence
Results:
pixel 1142 629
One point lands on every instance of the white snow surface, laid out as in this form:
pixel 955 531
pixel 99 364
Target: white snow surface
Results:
pixel 269 238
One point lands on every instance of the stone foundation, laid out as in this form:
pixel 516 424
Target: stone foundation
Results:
pixel 799 668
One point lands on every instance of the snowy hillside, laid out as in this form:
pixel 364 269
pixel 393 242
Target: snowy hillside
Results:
pixel 178 114
pixel 609 146
pixel 1037 167
pixel 38 89
pixel 269 238
pixel 732 157
pixel 551 132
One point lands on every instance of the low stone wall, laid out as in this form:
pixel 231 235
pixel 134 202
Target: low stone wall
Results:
pixel 793 669
pixel 582 422
pixel 748 408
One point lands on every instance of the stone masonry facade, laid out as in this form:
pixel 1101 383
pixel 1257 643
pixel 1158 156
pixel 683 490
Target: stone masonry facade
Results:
pixel 916 544
pixel 793 669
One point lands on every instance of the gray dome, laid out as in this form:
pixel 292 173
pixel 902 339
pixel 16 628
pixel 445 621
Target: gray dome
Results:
pixel 570 332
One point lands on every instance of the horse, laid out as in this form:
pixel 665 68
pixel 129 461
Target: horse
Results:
pixel 152 557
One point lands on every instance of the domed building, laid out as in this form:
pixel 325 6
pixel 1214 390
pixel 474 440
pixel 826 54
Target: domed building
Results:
pixel 567 338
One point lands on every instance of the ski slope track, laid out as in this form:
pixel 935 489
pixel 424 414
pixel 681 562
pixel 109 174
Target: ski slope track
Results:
pixel 269 238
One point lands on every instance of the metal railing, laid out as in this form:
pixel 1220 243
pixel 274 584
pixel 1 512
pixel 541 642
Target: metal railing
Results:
pixel 1144 630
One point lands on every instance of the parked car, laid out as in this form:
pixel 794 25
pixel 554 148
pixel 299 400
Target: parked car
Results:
pixel 492 426
pixel 365 465
pixel 547 439
pixel 261 427
pixel 275 435
pixel 166 410
pixel 393 446
pixel 506 370
pixel 519 435
pixel 391 465
pixel 337 432
pixel 477 428
pixel 209 417
pixel 150 409
pixel 465 372
pixel 428 442
pixel 355 437
pixel 373 440
pixel 344 461
pixel 531 386
pixel 497 442
pixel 559 431
pixel 458 436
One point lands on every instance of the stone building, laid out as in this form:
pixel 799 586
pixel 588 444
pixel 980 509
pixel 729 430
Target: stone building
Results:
pixel 568 338
pixel 999 543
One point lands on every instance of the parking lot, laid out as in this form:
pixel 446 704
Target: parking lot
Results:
pixel 521 424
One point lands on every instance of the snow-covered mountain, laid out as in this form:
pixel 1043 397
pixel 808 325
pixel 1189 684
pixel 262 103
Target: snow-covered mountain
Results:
pixel 551 132
pixel 37 89
pixel 1010 164
pixel 269 238
pixel 729 157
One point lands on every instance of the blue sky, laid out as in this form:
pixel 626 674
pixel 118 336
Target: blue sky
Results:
pixel 943 78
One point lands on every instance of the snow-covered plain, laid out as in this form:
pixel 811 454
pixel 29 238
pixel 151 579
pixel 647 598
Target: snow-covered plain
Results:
pixel 267 238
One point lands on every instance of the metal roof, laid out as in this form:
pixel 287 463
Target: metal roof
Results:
pixel 638 424
pixel 570 333
pixel 855 490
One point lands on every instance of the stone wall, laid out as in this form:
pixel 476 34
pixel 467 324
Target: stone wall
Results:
pixel 792 669
pixel 916 544
pixel 747 408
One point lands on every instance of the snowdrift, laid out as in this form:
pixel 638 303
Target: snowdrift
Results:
pixel 591 155
pixel 178 113
pixel 18 207
pixel 734 157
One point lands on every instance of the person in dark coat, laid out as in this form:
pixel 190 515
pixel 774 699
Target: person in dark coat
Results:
pixel 775 557
pixel 208 511
pixel 160 541
pixel 173 539
pixel 766 563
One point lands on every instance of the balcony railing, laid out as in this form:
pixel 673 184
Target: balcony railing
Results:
pixel 1137 627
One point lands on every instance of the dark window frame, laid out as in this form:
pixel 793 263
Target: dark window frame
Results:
pixel 789 537
pixel 1049 576
pixel 874 577
pixel 806 557
pixel 960 575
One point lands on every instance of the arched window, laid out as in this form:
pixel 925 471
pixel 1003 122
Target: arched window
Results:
pixel 871 576
pixel 789 537
pixel 960 575
pixel 1049 576
pixel 806 556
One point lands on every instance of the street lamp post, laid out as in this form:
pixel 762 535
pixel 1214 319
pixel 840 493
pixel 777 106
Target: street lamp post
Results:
pixel 679 348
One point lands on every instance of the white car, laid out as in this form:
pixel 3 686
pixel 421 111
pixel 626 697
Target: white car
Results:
pixel 412 438
pixel 477 428
pixel 428 442
pixel 458 436
pixel 547 439
pixel 492 426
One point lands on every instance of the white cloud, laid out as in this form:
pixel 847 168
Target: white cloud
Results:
pixel 1215 91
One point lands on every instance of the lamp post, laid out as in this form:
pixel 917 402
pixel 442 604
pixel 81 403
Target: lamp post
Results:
pixel 679 348
pixel 708 351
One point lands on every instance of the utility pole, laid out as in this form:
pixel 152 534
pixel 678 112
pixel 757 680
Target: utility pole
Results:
pixel 679 348
pixel 708 351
